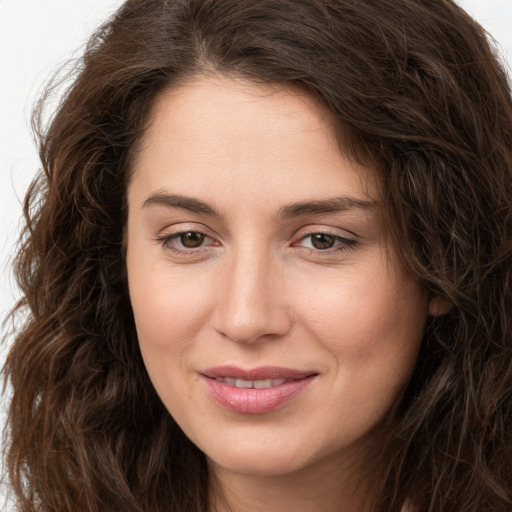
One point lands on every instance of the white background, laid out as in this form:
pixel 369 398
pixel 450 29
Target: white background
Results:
pixel 36 36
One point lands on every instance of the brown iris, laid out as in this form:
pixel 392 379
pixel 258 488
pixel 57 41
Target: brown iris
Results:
pixel 192 239
pixel 322 241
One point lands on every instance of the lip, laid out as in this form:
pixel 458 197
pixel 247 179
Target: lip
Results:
pixel 254 400
pixel 260 373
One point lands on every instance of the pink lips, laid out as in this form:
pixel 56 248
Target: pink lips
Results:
pixel 273 387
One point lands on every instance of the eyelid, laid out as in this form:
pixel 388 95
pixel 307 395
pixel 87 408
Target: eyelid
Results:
pixel 185 227
pixel 167 235
pixel 343 241
pixel 327 230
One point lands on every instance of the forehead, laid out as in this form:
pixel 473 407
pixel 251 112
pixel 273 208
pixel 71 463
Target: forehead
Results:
pixel 225 135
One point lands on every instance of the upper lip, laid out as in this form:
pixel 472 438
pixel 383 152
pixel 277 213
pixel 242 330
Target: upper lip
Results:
pixel 260 373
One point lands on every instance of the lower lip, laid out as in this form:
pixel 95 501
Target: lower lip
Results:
pixel 255 401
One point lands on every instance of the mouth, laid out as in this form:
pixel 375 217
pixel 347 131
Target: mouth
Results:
pixel 255 391
pixel 263 373
pixel 252 384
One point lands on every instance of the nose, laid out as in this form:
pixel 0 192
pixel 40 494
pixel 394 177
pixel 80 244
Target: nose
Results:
pixel 252 302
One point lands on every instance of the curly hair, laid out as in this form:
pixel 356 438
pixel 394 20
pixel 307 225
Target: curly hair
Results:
pixel 414 86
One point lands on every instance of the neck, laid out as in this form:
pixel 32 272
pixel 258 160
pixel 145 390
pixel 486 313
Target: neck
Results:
pixel 325 487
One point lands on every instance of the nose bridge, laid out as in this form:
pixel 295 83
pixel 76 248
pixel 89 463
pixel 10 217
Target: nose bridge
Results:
pixel 249 304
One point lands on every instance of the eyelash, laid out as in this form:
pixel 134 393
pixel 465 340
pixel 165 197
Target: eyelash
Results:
pixel 341 243
pixel 168 242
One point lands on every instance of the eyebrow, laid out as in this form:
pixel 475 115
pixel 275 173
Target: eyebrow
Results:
pixel 330 205
pixel 183 202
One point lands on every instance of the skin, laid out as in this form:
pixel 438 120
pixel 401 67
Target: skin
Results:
pixel 257 290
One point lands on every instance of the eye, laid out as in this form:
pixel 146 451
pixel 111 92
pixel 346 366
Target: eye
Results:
pixel 186 242
pixel 325 242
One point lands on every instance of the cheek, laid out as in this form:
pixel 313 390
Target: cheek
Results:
pixel 369 320
pixel 165 319
pixel 373 333
pixel 167 316
pixel 168 307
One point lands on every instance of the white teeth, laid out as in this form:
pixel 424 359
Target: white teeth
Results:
pixel 262 384
pixel 245 384
pixel 268 383
pixel 248 384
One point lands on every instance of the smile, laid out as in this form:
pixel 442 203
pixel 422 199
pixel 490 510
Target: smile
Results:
pixel 258 391
pixel 252 384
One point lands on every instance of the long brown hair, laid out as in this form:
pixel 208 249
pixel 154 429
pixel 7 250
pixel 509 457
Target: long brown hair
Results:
pixel 414 86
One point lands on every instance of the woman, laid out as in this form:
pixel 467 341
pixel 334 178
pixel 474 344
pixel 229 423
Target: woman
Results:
pixel 267 266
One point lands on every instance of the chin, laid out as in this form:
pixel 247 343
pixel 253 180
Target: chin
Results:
pixel 258 460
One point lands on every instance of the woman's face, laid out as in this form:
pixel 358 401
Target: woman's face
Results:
pixel 276 324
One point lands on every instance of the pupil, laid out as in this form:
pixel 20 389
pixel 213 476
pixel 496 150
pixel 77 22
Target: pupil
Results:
pixel 322 241
pixel 192 239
